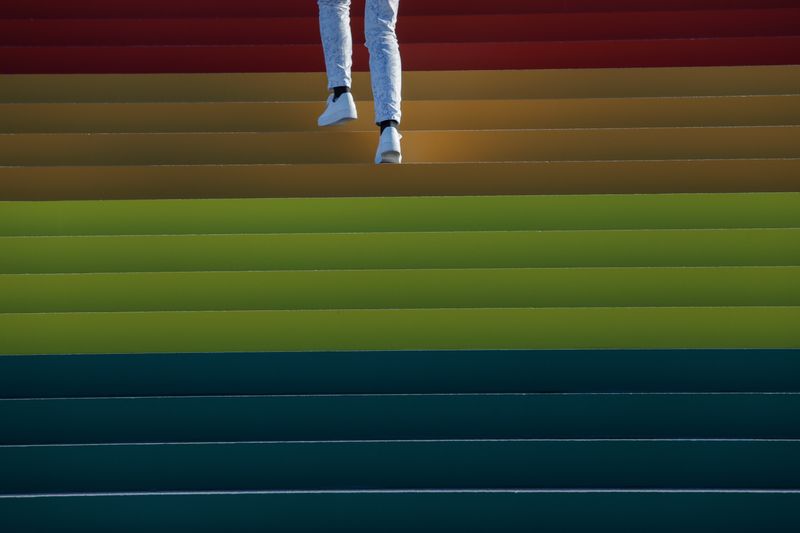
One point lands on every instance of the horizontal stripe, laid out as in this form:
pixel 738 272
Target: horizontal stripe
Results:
pixel 417 85
pixel 359 180
pixel 398 417
pixel 417 115
pixel 429 329
pixel 418 146
pixel 399 372
pixel 382 250
pixel 402 465
pixel 205 8
pixel 460 213
pixel 412 29
pixel 394 289
pixel 603 511
pixel 723 51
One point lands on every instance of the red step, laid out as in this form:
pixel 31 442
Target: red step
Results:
pixel 442 56
pixel 284 8
pixel 412 29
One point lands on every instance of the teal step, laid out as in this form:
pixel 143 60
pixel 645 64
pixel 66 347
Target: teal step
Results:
pixel 398 372
pixel 402 465
pixel 402 416
pixel 354 511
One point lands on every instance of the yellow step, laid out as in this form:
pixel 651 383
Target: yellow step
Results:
pixel 446 85
pixel 417 114
pixel 419 146
pixel 367 179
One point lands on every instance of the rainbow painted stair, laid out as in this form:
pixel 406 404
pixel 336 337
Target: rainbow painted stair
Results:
pixel 576 308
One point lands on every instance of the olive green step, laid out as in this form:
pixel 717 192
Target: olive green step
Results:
pixel 381 250
pixel 454 213
pixel 393 289
pixel 400 329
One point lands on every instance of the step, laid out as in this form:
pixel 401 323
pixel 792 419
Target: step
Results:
pixel 417 85
pixel 397 417
pixel 400 250
pixel 401 289
pixel 417 114
pixel 411 29
pixel 402 465
pixel 221 8
pixel 400 329
pixel 404 372
pixel 570 511
pixel 685 52
pixel 418 146
pixel 365 180
pixel 390 214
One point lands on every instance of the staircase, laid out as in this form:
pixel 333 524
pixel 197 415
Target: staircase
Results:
pixel 576 308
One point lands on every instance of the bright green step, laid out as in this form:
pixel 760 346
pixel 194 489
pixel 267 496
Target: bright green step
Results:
pixel 431 329
pixel 442 213
pixel 386 289
pixel 741 247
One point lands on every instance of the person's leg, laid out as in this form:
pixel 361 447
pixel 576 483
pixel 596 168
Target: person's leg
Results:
pixel 385 67
pixel 337 41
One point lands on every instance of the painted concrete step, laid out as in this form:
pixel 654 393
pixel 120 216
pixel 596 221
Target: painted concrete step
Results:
pixel 418 146
pixel 390 214
pixel 686 52
pixel 400 250
pixel 276 8
pixel 401 289
pixel 402 465
pixel 417 85
pixel 365 180
pixel 400 417
pixel 569 511
pixel 412 29
pixel 400 329
pixel 417 114
pixel 401 372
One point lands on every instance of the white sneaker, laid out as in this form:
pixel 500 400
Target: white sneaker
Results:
pixel 338 112
pixel 389 146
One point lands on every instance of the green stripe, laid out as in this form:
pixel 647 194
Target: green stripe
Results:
pixel 289 215
pixel 209 331
pixel 382 289
pixel 751 247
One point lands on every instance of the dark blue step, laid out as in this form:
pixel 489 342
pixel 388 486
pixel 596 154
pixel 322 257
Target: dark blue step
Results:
pixel 445 464
pixel 389 417
pixel 413 511
pixel 400 372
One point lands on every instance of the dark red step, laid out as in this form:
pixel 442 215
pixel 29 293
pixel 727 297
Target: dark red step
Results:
pixel 284 8
pixel 419 29
pixel 443 56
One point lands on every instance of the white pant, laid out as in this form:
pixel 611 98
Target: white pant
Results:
pixel 380 19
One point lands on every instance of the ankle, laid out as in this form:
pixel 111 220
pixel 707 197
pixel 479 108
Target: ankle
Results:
pixel 339 91
pixel 386 123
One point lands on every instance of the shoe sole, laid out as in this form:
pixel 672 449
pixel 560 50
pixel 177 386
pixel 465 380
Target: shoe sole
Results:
pixel 337 122
pixel 391 157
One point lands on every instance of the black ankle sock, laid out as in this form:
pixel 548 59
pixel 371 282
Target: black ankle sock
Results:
pixel 339 91
pixel 386 123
